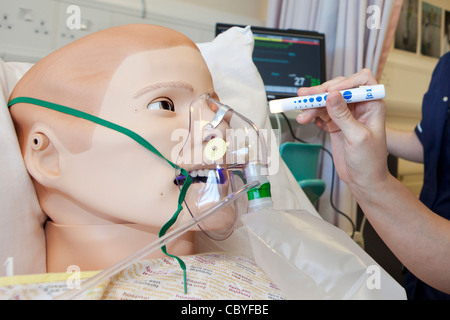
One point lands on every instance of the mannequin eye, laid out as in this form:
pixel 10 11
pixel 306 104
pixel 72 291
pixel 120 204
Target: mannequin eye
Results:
pixel 161 104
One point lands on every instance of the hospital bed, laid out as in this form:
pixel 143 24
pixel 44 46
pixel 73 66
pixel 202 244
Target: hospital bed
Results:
pixel 292 254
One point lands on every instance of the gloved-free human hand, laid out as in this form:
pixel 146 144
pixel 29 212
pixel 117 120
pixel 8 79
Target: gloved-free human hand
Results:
pixel 357 131
pixel 419 238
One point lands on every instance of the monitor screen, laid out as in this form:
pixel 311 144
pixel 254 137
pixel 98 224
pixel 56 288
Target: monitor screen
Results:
pixel 286 59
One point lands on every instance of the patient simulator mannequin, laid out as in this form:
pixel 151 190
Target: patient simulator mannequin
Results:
pixel 105 195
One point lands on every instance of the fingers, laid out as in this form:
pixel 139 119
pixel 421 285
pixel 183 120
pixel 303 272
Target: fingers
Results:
pixel 341 116
pixel 306 91
pixel 362 78
pixel 322 124
pixel 308 115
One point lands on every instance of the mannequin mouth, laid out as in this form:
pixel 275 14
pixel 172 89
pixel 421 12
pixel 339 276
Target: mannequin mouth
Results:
pixel 203 176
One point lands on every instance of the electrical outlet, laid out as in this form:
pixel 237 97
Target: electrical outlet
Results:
pixel 27 29
pixel 91 20
pixel 5 22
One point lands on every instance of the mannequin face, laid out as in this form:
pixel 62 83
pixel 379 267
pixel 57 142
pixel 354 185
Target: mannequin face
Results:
pixel 98 185
pixel 150 94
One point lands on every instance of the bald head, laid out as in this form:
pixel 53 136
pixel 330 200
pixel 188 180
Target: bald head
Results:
pixel 78 74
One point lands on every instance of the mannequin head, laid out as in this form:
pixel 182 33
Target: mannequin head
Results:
pixel 97 186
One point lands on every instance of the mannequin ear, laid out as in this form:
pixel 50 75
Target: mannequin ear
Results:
pixel 41 158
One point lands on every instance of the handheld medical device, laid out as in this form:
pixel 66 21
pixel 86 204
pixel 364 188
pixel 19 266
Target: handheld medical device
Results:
pixel 360 94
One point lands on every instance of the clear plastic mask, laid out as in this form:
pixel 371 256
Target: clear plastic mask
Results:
pixel 222 152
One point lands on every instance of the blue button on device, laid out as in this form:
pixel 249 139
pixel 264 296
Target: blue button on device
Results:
pixel 347 95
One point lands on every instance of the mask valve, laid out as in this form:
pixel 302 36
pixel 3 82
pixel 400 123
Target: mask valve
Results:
pixel 218 117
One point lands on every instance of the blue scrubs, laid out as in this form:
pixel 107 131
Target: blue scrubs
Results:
pixel 434 134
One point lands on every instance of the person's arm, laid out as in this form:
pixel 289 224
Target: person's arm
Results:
pixel 404 144
pixel 417 236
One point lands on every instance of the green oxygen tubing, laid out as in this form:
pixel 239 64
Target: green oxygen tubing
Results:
pixel 133 135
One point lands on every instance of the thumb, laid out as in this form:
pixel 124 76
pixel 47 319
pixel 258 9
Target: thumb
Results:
pixel 340 114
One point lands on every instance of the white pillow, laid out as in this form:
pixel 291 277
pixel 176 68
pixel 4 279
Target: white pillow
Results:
pixel 236 78
pixel 22 235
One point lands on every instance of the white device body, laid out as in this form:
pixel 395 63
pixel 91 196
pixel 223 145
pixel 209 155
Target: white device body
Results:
pixel 360 94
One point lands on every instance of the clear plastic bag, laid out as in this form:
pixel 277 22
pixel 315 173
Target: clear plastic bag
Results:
pixel 309 258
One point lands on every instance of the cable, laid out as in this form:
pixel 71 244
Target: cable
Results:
pixel 277 118
pixel 144 9
pixel 332 176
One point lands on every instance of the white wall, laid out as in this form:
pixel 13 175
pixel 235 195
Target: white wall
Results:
pixel 31 29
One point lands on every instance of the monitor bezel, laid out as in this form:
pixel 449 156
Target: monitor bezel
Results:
pixel 221 27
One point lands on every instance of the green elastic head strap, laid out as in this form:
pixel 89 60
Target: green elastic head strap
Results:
pixel 135 137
